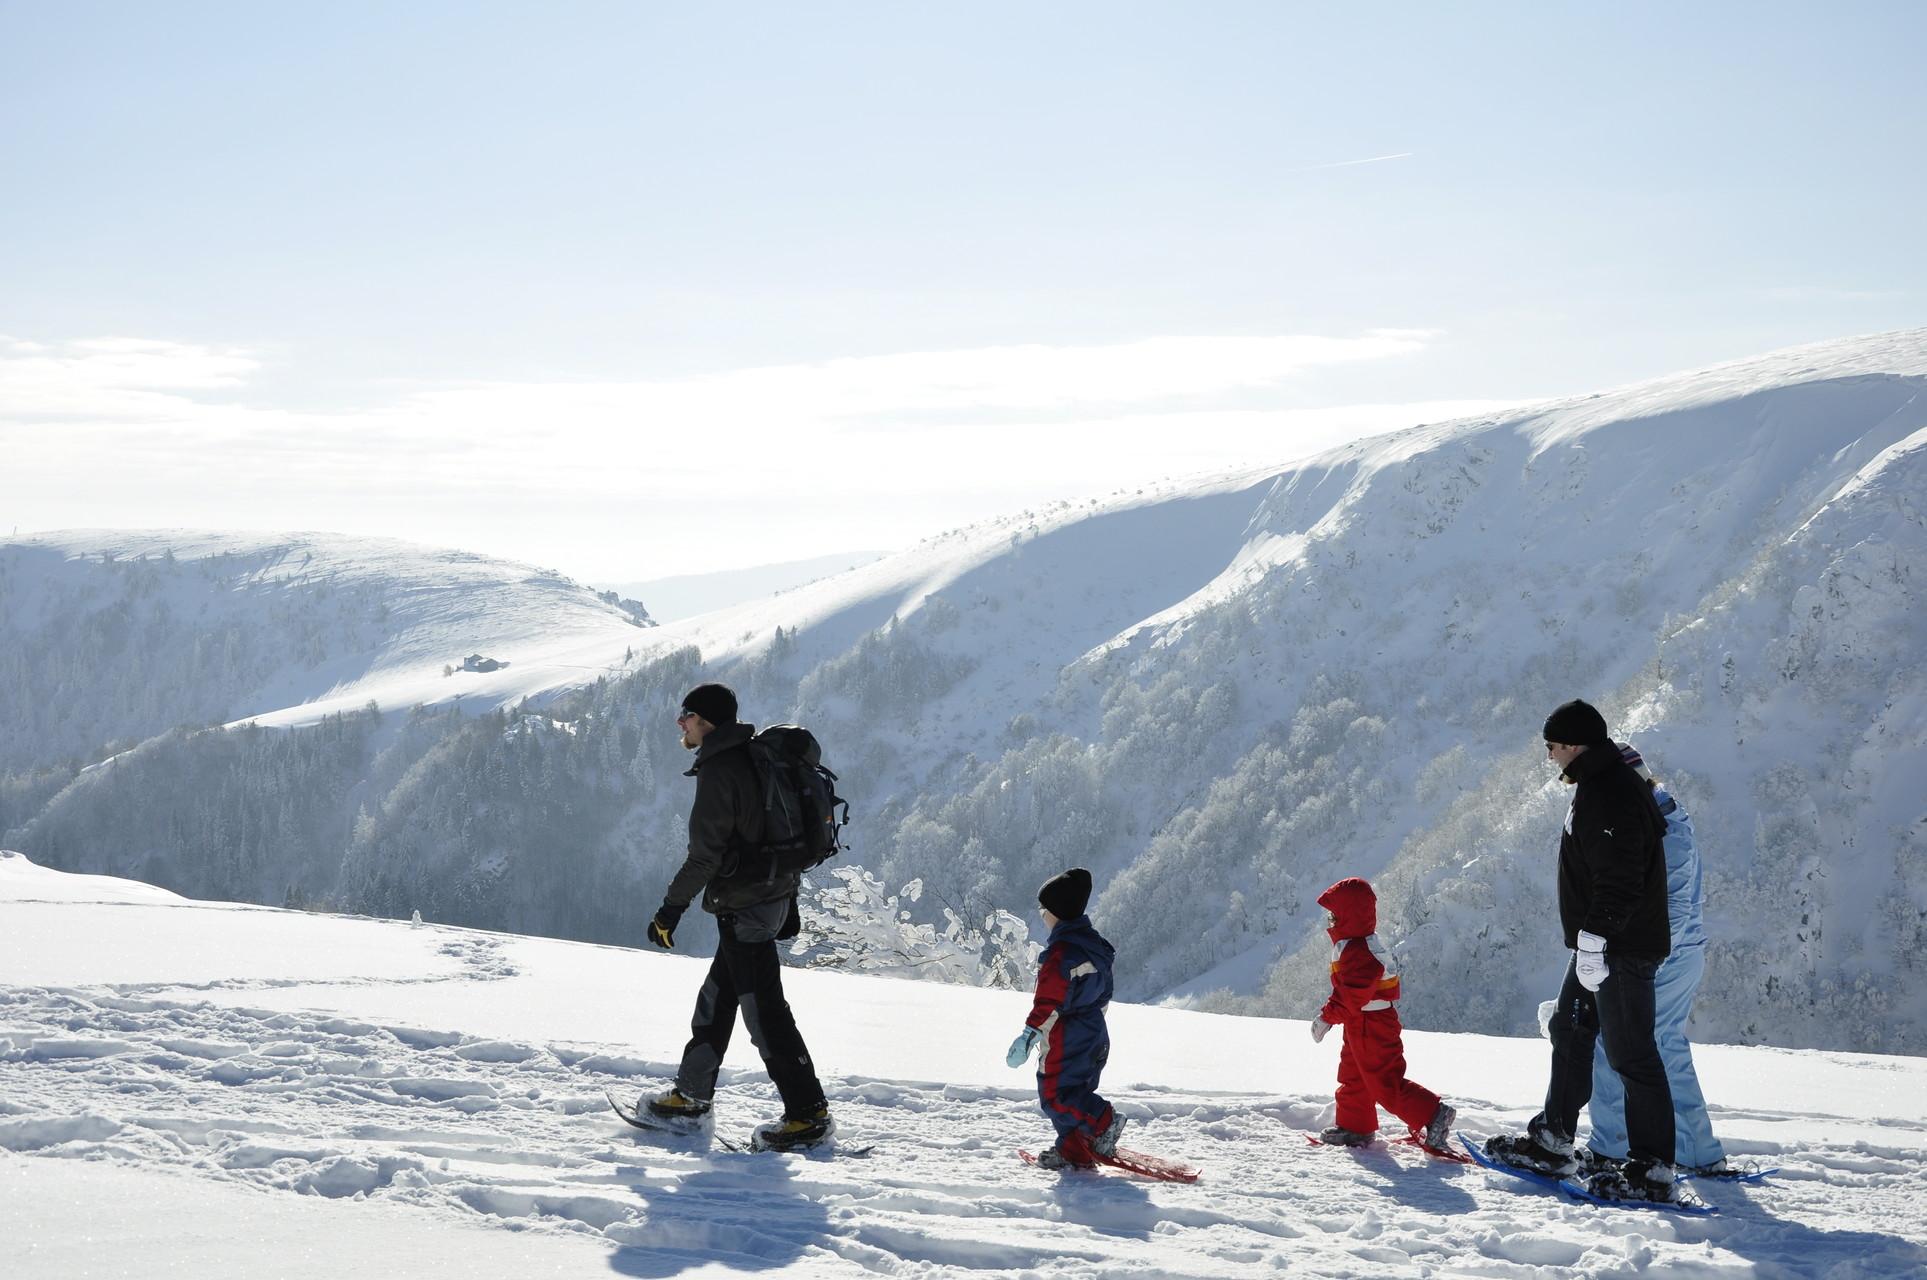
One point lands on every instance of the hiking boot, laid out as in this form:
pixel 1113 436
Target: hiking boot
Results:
pixel 1105 1143
pixel 676 1105
pixel 795 1133
pixel 1541 1153
pixel 1591 1162
pixel 1054 1158
pixel 1635 1180
pixel 1335 1136
pixel 1436 1134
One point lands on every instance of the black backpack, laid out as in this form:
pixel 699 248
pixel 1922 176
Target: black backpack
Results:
pixel 801 826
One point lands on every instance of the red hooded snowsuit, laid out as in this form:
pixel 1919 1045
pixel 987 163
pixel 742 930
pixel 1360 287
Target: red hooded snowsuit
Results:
pixel 1371 1063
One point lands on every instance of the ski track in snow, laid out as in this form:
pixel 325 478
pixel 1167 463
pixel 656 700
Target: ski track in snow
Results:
pixel 518 1134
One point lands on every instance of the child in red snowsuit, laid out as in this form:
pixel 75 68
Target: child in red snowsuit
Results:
pixel 1371 1064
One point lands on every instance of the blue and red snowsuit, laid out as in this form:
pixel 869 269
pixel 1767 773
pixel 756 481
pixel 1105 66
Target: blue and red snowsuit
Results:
pixel 1073 987
pixel 1371 1064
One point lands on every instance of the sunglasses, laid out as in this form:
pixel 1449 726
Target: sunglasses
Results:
pixel 686 717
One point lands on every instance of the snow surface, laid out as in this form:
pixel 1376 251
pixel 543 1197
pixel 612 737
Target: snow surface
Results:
pixel 429 1100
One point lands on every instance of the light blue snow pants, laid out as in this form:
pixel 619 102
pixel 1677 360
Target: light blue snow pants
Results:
pixel 1695 1147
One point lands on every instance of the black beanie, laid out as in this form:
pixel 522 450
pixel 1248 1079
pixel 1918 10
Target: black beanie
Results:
pixel 1067 895
pixel 1577 724
pixel 715 703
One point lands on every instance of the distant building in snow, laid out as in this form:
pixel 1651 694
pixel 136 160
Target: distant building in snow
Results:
pixel 476 662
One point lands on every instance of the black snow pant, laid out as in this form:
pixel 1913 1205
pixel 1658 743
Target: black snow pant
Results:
pixel 747 975
pixel 1621 1014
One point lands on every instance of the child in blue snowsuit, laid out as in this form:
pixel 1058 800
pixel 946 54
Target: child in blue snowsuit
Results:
pixel 1673 988
pixel 1067 1018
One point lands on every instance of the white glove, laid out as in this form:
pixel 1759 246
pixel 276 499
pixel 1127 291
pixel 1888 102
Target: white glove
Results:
pixel 1590 964
pixel 1318 1029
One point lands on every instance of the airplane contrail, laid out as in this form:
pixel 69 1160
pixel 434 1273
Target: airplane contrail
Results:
pixel 1346 164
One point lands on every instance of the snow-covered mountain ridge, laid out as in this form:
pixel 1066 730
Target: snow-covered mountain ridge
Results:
pixel 113 636
pixel 1224 694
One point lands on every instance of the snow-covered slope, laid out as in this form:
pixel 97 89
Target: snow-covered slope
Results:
pixel 689 594
pixel 114 636
pixel 245 1091
pixel 1225 696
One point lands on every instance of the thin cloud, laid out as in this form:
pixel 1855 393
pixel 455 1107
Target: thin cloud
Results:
pixel 1112 377
pixel 152 434
pixel 123 379
pixel 115 379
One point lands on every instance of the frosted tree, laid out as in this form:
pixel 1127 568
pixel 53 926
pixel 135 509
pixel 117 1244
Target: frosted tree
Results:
pixel 854 923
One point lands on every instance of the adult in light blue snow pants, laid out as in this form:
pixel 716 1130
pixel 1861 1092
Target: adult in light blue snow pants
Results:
pixel 1674 986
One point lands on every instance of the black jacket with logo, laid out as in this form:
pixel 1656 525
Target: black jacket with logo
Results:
pixel 1612 864
pixel 726 831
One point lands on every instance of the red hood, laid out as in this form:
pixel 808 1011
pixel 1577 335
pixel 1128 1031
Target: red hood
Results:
pixel 1354 906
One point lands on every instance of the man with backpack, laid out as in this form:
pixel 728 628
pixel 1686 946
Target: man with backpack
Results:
pixel 752 894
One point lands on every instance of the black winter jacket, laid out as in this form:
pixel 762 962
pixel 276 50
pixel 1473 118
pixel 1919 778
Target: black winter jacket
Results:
pixel 726 831
pixel 1612 865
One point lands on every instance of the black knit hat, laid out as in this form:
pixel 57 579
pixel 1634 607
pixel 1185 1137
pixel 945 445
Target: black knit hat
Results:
pixel 715 703
pixel 1067 895
pixel 1577 724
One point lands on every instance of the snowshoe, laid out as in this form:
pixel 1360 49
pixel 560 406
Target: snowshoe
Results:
pixel 1724 1170
pixel 1144 1165
pixel 1636 1184
pixel 1123 1163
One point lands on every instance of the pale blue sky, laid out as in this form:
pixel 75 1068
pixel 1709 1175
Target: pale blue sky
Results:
pixel 325 217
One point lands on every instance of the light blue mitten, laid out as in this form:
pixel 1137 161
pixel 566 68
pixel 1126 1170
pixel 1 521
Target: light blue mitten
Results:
pixel 1020 1047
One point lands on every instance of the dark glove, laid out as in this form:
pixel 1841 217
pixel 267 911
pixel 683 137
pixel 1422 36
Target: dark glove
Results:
pixel 662 929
